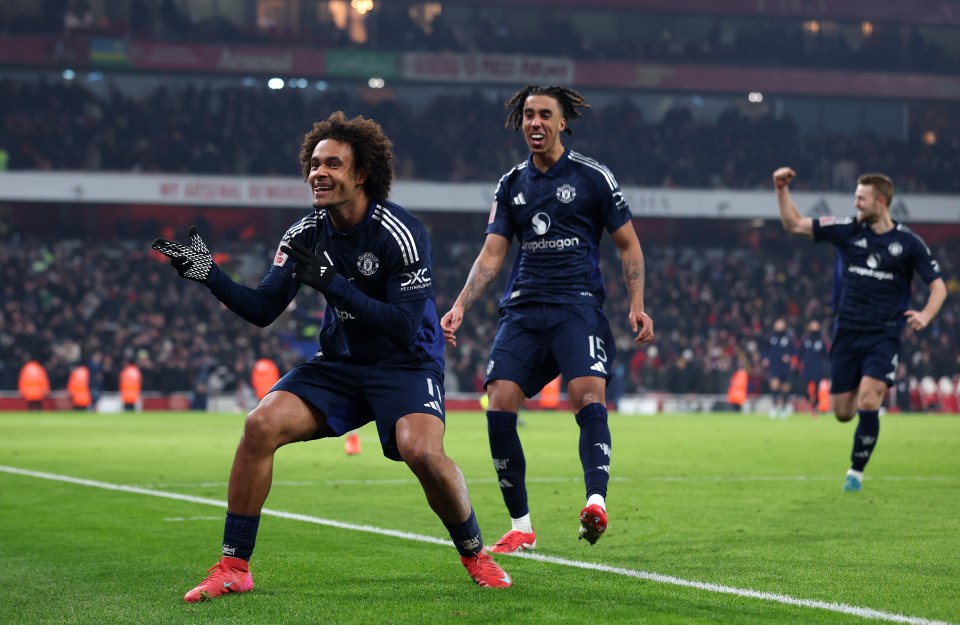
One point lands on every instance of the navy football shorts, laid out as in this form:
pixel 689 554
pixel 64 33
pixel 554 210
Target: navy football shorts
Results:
pixel 536 342
pixel 813 374
pixel 353 395
pixel 780 371
pixel 855 354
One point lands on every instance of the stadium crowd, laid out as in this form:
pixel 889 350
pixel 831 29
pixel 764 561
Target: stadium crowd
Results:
pixel 455 136
pixel 595 34
pixel 105 303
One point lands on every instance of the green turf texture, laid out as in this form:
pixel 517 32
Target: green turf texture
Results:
pixel 734 500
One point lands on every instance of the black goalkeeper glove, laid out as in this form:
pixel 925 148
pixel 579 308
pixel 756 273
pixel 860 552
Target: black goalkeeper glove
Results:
pixel 194 262
pixel 311 269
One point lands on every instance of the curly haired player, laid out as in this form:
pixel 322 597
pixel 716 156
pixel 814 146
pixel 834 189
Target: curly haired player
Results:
pixel 381 347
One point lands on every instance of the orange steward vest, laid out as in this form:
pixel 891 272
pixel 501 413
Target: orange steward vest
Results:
pixel 34 385
pixel 264 375
pixel 78 387
pixel 131 382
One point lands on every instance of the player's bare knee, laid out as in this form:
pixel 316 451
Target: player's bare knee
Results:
pixel 504 397
pixel 261 429
pixel 870 402
pixel 579 403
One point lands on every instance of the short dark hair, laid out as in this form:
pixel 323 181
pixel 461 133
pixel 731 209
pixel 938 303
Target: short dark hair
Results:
pixel 568 99
pixel 882 185
pixel 371 150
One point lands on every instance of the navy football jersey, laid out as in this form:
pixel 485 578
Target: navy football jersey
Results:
pixel 780 346
pixel 876 272
pixel 384 274
pixel 558 217
pixel 814 352
pixel 837 283
pixel 780 349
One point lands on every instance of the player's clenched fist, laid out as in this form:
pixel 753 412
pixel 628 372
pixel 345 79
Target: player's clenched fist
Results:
pixel 450 322
pixel 782 177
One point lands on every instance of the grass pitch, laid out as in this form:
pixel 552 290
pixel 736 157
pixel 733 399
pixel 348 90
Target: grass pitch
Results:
pixel 714 518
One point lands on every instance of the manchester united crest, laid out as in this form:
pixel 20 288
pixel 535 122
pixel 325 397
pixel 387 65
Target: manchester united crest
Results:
pixel 368 264
pixel 566 193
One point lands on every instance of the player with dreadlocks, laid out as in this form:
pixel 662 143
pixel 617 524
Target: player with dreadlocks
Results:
pixel 568 99
pixel 557 204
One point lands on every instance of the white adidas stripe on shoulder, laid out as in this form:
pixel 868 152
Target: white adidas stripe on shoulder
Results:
pixel 589 162
pixel 400 232
pixel 310 221
pixel 516 167
pixel 906 229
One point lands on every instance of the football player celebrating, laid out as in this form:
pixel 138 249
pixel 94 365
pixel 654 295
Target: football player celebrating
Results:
pixel 381 348
pixel 557 204
pixel 877 260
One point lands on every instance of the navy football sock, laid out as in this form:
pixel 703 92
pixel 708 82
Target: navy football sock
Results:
pixel 865 438
pixel 240 535
pixel 594 448
pixel 508 460
pixel 466 536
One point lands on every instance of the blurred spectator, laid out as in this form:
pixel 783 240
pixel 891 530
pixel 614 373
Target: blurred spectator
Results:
pixel 183 127
pixel 60 304
pixel 588 32
pixel 77 16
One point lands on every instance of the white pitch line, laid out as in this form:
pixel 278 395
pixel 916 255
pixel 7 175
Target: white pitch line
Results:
pixel 551 480
pixel 222 504
pixel 841 608
pixel 392 482
pixel 794 478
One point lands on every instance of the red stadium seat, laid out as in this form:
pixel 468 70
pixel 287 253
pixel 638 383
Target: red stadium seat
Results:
pixel 929 394
pixel 948 396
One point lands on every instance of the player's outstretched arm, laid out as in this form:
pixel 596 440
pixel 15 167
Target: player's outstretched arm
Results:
pixel 631 257
pixel 790 217
pixel 259 306
pixel 485 269
pixel 920 319
pixel 192 261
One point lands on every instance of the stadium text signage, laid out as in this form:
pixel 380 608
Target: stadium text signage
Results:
pixel 290 192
